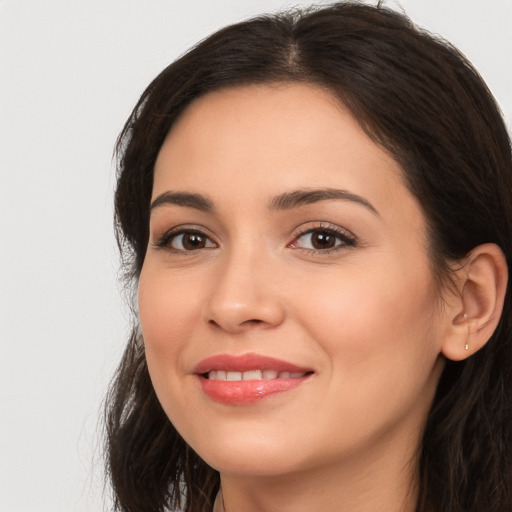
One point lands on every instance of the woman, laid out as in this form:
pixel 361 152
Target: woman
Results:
pixel 316 210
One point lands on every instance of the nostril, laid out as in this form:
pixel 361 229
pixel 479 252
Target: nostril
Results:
pixel 253 321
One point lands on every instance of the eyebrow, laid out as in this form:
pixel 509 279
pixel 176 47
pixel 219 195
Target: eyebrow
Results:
pixel 197 201
pixel 302 197
pixel 285 201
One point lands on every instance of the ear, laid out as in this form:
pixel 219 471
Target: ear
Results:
pixel 474 315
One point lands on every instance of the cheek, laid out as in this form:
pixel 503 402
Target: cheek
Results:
pixel 363 320
pixel 379 342
pixel 166 312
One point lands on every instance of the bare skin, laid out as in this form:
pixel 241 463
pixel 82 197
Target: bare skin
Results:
pixel 337 282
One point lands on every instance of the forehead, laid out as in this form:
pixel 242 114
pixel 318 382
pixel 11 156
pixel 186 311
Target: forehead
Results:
pixel 261 140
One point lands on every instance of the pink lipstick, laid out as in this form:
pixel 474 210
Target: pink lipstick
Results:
pixel 245 379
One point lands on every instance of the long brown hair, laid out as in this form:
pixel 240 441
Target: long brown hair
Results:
pixel 419 98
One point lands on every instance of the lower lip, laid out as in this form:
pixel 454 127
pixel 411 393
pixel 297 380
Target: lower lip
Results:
pixel 242 392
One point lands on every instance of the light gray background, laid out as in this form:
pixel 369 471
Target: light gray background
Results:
pixel 70 73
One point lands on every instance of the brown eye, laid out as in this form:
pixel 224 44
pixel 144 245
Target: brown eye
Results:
pixel 190 241
pixel 323 239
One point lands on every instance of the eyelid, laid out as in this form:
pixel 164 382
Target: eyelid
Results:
pixel 347 238
pixel 163 241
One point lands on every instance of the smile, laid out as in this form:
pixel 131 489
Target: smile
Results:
pixel 249 378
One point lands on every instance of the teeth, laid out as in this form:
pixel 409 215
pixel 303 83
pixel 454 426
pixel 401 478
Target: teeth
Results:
pixel 253 375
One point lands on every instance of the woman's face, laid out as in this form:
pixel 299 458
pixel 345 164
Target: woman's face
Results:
pixel 289 312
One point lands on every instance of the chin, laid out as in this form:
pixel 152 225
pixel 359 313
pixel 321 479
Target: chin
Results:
pixel 247 451
pixel 233 461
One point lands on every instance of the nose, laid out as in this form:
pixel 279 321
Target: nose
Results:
pixel 245 295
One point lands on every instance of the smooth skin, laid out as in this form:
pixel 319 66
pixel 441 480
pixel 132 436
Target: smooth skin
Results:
pixel 339 282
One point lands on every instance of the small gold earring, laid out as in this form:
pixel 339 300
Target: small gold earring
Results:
pixel 467 344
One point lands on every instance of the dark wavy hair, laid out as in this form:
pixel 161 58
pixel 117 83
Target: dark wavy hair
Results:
pixel 420 99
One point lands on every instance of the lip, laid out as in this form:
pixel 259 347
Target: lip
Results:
pixel 246 363
pixel 247 391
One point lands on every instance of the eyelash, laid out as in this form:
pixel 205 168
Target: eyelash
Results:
pixel 166 240
pixel 345 237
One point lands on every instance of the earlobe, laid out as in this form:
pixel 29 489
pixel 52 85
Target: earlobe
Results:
pixel 482 287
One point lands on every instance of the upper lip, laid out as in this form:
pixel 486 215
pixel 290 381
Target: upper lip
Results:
pixel 246 363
